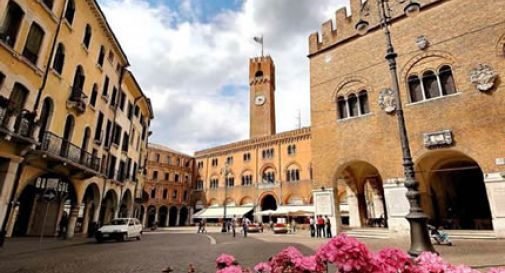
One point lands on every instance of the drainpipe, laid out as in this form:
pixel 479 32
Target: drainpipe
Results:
pixel 48 64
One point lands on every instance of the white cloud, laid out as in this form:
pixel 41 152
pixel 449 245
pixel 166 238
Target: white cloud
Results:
pixel 184 64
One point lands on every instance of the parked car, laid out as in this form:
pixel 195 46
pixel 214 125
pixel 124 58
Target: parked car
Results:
pixel 255 227
pixel 120 229
pixel 280 228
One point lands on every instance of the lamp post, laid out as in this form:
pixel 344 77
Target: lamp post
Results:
pixel 224 172
pixel 419 236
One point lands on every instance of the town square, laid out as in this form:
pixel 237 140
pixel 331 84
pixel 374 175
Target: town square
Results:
pixel 265 136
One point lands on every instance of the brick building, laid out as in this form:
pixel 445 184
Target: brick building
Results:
pixel 265 172
pixel 451 60
pixel 168 187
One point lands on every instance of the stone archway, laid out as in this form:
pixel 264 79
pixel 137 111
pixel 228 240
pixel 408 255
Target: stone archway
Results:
pixel 268 202
pixel 90 204
pixel 108 209
pixel 163 216
pixel 361 195
pixel 453 193
pixel 183 216
pixel 36 216
pixel 173 212
pixel 125 209
pixel 151 216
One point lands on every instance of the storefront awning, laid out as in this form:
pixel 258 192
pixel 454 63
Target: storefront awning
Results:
pixel 289 211
pixel 216 212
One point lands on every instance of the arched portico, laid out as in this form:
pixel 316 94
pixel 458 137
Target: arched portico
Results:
pixel 173 216
pixel 91 209
pixel 361 193
pixel 163 216
pixel 109 207
pixel 453 192
pixel 126 207
pixel 267 201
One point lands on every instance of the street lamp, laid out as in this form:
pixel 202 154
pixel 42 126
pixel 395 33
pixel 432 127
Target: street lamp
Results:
pixel 224 172
pixel 419 237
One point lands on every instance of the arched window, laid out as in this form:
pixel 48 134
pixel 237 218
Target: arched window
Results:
pixel 363 102
pixel 78 84
pixel 430 84
pixel 153 193
pixel 230 181
pixel 342 108
pixel 446 80
pixel 352 101
pixel 85 139
pixel 87 36
pixel 48 3
pixel 67 135
pixel 94 94
pixel 11 24
pixel 59 59
pixel 45 117
pixel 18 98
pixel 101 56
pixel 70 11
pixel 292 173
pixel 165 193
pixel 268 176
pixel 258 74
pixel 415 89
pixel 33 43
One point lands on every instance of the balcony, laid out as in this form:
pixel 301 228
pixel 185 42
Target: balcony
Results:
pixel 61 152
pixel 16 125
pixel 77 100
pixel 268 185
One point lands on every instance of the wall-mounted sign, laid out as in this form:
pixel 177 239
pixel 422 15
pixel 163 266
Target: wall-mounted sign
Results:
pixel 437 139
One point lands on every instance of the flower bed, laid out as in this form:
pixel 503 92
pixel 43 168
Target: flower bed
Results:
pixel 280 228
pixel 349 256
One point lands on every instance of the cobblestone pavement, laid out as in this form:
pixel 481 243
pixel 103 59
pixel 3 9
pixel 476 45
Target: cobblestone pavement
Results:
pixel 152 254
pixel 181 247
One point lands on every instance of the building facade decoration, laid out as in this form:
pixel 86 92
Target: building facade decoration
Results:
pixel 483 77
pixel 437 139
pixel 387 100
pixel 421 42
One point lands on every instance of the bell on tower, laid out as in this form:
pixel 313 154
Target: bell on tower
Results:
pixel 262 96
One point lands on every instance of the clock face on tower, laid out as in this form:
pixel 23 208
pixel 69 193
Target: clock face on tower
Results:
pixel 260 100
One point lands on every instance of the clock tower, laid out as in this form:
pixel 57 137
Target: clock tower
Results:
pixel 262 96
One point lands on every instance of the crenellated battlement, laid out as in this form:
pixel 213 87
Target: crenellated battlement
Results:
pixel 261 59
pixel 344 27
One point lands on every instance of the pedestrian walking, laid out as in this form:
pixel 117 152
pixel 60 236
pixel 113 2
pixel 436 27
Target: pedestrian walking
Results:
pixel 320 226
pixel 200 227
pixel 204 224
pixel 327 225
pixel 312 227
pixel 233 224
pixel 63 225
pixel 293 225
pixel 245 225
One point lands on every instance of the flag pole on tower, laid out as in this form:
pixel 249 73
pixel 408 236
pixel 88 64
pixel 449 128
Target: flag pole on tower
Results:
pixel 260 41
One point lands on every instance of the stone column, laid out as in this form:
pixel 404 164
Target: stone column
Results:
pixel 156 215
pixel 144 218
pixel 12 221
pixel 259 218
pixel 167 218
pixel 353 203
pixel 495 188
pixel 72 220
pixel 7 175
pixel 397 206
pixel 189 220
pixel 178 217
pixel 85 217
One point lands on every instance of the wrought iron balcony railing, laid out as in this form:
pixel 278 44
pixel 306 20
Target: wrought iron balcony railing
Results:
pixel 58 146
pixel 77 100
pixel 16 122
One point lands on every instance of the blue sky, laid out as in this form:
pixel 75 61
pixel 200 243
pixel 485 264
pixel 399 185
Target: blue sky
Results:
pixel 191 57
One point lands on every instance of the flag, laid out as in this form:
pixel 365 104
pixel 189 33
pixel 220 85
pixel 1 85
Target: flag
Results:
pixel 258 39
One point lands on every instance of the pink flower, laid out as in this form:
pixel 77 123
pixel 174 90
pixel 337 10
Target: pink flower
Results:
pixel 285 258
pixel 263 268
pixel 392 260
pixel 429 262
pixel 347 253
pixel 308 264
pixel 230 269
pixel 224 260
pixel 497 270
